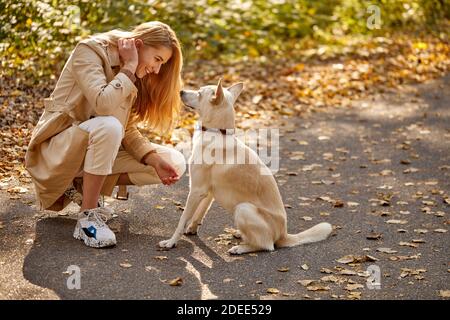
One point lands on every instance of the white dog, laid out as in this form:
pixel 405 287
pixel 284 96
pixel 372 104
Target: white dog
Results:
pixel 248 190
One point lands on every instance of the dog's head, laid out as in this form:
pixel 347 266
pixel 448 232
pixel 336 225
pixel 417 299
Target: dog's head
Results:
pixel 214 104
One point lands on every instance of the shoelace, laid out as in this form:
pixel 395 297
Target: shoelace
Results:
pixel 99 216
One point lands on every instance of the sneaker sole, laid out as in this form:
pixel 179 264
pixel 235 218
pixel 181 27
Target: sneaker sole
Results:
pixel 90 242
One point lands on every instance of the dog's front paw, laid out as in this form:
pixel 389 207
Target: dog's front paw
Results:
pixel 192 229
pixel 236 250
pixel 167 244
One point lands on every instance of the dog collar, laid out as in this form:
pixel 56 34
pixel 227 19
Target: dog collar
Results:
pixel 222 131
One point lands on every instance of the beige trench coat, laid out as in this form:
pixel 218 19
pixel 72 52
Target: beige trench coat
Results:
pixel 90 85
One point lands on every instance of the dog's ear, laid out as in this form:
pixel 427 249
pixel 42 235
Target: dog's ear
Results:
pixel 218 96
pixel 236 90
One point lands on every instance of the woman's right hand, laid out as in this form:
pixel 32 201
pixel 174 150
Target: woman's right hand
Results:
pixel 165 171
pixel 129 54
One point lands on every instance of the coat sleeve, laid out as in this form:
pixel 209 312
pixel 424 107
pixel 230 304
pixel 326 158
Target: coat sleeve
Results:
pixel 134 142
pixel 87 69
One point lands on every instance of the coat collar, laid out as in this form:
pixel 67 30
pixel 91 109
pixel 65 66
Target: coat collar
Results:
pixel 111 51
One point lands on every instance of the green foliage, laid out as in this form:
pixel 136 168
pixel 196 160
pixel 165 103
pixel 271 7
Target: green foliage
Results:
pixel 36 36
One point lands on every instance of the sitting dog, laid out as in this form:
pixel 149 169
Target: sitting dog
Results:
pixel 247 190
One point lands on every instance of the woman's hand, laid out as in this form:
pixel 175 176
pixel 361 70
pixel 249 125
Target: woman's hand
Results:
pixel 165 171
pixel 128 53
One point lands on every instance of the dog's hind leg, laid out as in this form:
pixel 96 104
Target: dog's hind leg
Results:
pixel 202 210
pixel 256 234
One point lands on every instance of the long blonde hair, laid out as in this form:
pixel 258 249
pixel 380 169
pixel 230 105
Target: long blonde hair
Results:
pixel 158 101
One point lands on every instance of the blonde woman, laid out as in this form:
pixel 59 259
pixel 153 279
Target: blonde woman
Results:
pixel 110 83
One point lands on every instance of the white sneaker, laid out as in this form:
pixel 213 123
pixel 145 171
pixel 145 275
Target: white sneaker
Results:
pixel 92 229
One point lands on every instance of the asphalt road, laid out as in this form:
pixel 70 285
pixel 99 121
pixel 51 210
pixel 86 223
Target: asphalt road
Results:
pixel 356 156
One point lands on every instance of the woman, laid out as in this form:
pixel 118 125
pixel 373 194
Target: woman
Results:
pixel 111 82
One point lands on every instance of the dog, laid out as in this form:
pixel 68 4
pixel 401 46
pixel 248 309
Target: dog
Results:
pixel 249 190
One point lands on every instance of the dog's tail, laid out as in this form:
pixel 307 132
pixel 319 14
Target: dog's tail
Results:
pixel 319 232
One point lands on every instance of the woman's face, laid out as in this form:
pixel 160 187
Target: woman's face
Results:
pixel 151 59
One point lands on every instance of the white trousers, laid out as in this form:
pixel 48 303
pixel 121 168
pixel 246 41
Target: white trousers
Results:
pixel 105 156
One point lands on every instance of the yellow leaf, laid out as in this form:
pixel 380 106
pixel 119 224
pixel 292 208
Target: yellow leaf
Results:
pixel 178 281
pixel 420 45
pixel 273 291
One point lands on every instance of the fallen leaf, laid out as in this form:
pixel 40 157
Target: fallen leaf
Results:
pixel 126 265
pixel 408 244
pixel 386 173
pixel 325 270
pixel 150 268
pixel 354 295
pixel 273 291
pixel 305 267
pixel 374 236
pixel 356 259
pixel 410 170
pixel 403 258
pixel 160 257
pixel 386 250
pixel 347 272
pixel 178 281
pixel 333 279
pixel 406 272
pixel 17 190
pixel 444 293
pixel 305 282
pixel 283 269
pixel 394 221
pixel 355 286
pixel 338 204
pixel 317 288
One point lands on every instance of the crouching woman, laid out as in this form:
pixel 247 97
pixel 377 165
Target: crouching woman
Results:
pixel 87 140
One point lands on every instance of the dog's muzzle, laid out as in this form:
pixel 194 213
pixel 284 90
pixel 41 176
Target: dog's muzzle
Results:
pixel 182 92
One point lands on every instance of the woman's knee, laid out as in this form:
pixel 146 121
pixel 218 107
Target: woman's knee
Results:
pixel 110 128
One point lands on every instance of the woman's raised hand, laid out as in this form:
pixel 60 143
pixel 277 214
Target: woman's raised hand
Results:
pixel 128 53
pixel 165 171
